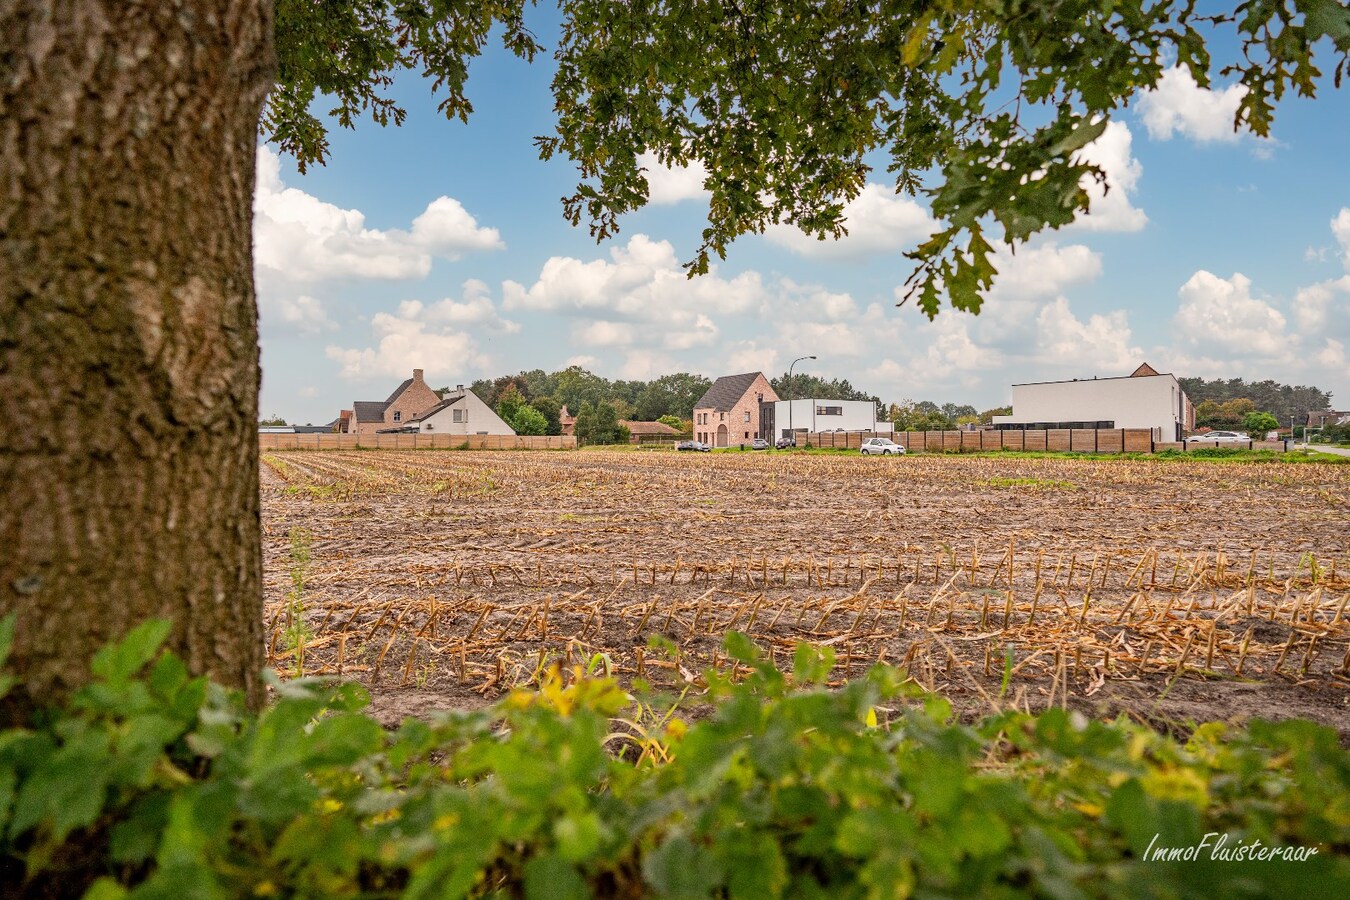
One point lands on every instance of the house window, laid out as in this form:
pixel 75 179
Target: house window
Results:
pixel 398 417
pixel 747 415
pixel 747 434
pixel 829 410
pixel 457 415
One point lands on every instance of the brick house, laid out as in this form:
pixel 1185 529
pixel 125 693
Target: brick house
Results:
pixel 643 432
pixel 729 412
pixel 410 399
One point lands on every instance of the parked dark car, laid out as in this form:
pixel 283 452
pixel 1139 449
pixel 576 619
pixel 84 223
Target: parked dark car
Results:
pixel 785 442
pixel 693 445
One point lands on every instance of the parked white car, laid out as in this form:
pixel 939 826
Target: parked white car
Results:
pixel 882 447
pixel 1218 437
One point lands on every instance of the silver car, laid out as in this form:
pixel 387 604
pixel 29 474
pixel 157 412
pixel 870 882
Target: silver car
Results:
pixel 1218 437
pixel 881 447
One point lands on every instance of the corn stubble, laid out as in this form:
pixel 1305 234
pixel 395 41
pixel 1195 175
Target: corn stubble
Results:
pixel 465 574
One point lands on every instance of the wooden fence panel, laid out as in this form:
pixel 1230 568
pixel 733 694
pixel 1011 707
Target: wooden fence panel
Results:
pixel 1110 440
pixel 1138 440
pixel 1083 440
pixel 990 440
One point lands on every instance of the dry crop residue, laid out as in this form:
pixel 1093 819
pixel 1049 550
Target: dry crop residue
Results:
pixel 1172 590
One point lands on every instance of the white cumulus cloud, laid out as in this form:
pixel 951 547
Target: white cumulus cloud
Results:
pixel 475 309
pixel 1102 343
pixel 1340 227
pixel 1221 313
pixel 405 344
pixel 300 238
pixel 879 222
pixel 1178 105
pixel 672 184
pixel 1111 208
pixel 1041 270
pixel 434 337
pixel 639 296
pixel 303 313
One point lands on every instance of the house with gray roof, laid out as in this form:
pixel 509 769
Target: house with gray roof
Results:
pixel 410 399
pixel 729 412
pixel 459 412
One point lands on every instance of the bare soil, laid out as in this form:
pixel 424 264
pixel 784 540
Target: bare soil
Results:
pixel 1173 591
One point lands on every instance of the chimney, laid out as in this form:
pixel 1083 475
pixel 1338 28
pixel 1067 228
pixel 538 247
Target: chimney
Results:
pixel 459 389
pixel 417 376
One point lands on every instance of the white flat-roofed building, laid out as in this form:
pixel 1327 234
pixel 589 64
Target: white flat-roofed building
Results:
pixel 783 417
pixel 1144 399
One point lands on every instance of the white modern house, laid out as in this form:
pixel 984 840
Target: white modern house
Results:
pixel 781 418
pixel 460 412
pixel 1144 399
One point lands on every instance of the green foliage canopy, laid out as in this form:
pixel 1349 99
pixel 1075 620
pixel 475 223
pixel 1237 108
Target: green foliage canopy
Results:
pixel 529 420
pixel 785 101
pixel 1283 401
pixel 1258 424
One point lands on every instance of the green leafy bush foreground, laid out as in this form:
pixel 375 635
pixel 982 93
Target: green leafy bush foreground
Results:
pixel 159 785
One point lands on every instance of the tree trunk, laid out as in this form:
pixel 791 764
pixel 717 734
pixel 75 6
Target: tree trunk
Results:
pixel 128 332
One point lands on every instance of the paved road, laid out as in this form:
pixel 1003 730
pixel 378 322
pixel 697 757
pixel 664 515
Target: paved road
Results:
pixel 1339 451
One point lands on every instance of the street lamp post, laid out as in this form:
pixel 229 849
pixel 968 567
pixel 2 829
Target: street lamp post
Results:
pixel 789 384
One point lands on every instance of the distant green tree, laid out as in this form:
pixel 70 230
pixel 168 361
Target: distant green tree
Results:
pixel 538 383
pixel 987 417
pixel 956 412
pixel 599 424
pixel 1228 414
pixel 1283 401
pixel 528 420
pixel 922 416
pixel 622 408
pixel 1258 424
pixel 577 387
pixel 509 404
pixel 683 426
pixel 551 410
pixel 605 429
pixel 584 426
pixel 483 388
pixel 273 422
pixel 671 395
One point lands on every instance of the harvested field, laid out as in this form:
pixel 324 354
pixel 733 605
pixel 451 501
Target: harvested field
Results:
pixel 1172 590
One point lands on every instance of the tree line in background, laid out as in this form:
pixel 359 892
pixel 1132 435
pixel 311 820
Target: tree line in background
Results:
pixel 532 401
pixel 1225 403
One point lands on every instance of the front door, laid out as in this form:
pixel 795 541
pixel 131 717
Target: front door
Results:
pixel 721 435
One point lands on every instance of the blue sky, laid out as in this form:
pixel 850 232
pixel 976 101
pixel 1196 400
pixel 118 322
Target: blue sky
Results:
pixel 442 246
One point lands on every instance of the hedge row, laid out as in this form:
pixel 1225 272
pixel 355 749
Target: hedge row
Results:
pixel 154 784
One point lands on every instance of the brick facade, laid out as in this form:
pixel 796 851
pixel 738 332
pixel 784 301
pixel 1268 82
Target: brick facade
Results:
pixel 416 399
pixel 408 401
pixel 731 416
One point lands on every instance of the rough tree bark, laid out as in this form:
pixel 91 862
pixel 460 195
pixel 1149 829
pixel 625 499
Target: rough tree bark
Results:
pixel 128 331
